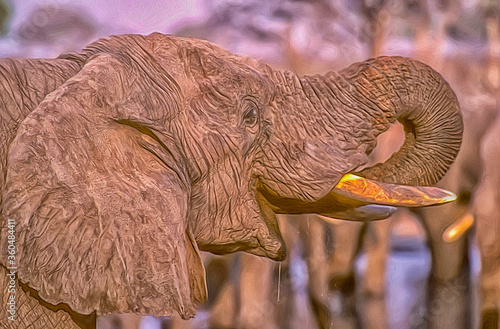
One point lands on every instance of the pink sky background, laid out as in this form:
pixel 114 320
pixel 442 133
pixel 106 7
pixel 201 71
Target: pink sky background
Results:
pixel 120 16
pixel 107 17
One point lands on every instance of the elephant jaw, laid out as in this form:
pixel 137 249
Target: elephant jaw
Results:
pixel 361 199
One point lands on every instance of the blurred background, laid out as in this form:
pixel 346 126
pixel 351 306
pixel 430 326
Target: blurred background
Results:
pixel 410 271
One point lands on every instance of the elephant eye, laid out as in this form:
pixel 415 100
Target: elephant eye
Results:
pixel 251 117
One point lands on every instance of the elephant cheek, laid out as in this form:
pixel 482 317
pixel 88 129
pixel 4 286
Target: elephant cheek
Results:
pixel 250 226
pixel 257 239
pixel 307 171
pixel 270 238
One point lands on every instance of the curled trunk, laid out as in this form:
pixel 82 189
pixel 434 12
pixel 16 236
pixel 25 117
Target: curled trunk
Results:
pixel 386 89
pixel 324 126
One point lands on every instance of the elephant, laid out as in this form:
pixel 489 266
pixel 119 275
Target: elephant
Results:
pixel 121 162
pixel 450 263
pixel 476 78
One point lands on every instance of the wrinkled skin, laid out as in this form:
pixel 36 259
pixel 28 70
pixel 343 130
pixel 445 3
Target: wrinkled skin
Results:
pixel 450 258
pixel 124 160
pixel 461 179
pixel 349 238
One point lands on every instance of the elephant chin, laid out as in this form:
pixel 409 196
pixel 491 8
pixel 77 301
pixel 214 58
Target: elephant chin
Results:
pixel 273 249
pixel 361 199
pixel 250 226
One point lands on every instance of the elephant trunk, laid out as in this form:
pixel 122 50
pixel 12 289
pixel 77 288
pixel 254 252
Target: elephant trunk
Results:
pixel 386 89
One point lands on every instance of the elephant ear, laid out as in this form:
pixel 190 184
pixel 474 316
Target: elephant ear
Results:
pixel 100 202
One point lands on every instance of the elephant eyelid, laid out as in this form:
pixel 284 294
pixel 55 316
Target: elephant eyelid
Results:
pixel 251 116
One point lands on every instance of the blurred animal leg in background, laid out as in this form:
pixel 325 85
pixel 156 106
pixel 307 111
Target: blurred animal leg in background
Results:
pixel 289 280
pixel 221 292
pixel 345 239
pixel 372 287
pixel 119 321
pixel 255 278
pixel 488 195
pixel 239 292
pixel 312 233
pixel 487 212
pixel 448 291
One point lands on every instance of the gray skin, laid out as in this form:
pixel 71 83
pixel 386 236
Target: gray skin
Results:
pixel 124 160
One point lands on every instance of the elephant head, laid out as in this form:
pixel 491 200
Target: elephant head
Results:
pixel 159 146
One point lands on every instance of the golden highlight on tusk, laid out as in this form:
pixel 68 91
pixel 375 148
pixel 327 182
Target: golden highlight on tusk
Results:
pixel 457 229
pixel 373 192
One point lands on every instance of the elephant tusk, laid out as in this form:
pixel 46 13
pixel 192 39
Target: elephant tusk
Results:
pixel 373 192
pixel 360 199
pixel 457 229
pixel 363 213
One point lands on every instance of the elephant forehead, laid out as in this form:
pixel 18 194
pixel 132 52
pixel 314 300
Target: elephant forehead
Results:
pixel 194 60
pixel 230 80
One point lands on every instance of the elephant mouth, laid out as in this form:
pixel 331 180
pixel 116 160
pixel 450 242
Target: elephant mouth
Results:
pixel 361 199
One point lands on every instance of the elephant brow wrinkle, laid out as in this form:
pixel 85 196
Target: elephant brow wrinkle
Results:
pixel 142 129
